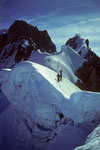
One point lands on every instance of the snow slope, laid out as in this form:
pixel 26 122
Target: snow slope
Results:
pixel 93 140
pixel 86 108
pixel 26 68
pixel 42 108
pixel 85 111
pixel 37 101
pixel 68 60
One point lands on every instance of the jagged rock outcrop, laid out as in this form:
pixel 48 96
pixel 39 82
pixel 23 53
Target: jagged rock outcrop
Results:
pixel 20 30
pixel 79 44
pixel 89 73
pixel 21 39
pixel 72 42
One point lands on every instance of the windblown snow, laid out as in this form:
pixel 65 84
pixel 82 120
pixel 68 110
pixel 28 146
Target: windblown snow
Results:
pixel 43 112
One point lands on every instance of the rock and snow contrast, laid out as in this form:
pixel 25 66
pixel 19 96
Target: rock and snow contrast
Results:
pixel 36 111
pixel 19 42
pixel 89 72
pixel 79 45
pixel 42 108
pixel 93 141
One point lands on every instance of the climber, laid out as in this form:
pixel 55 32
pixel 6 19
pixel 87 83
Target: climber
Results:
pixel 87 43
pixel 60 76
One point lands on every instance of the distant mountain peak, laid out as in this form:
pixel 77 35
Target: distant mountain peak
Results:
pixel 21 39
pixel 89 72
pixel 22 30
pixel 80 45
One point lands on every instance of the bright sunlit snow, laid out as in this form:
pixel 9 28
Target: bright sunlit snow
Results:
pixel 42 113
pixel 39 105
pixel 68 60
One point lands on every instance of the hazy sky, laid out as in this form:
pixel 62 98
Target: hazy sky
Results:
pixel 62 18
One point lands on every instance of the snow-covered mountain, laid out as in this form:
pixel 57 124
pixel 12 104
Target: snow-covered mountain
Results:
pixel 20 40
pixel 41 109
pixel 36 111
pixel 89 72
pixel 79 44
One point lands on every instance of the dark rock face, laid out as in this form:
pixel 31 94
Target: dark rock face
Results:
pixel 89 73
pixel 72 42
pixel 22 39
pixel 78 44
pixel 22 30
pixel 87 43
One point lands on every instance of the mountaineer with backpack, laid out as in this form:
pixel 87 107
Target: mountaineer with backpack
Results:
pixel 59 76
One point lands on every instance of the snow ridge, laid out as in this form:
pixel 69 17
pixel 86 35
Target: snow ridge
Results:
pixel 42 107
pixel 44 112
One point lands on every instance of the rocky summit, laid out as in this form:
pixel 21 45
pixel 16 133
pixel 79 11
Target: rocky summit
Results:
pixel 21 39
pixel 89 72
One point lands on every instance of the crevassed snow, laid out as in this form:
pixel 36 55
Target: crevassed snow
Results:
pixel 40 104
pixel 37 101
pixel 85 107
pixel 42 111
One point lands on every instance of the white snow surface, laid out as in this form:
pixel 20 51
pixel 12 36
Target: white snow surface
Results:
pixel 68 60
pixel 43 113
pixel 32 71
pixel 85 106
pixel 93 140
pixel 40 105
pixel 85 110
pixel 36 99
